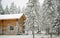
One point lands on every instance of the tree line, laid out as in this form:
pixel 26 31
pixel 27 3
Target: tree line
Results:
pixel 13 9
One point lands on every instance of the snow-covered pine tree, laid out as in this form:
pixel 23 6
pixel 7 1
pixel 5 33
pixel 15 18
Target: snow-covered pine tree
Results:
pixel 6 11
pixel 13 8
pixel 18 9
pixel 56 25
pixel 1 9
pixel 49 13
pixel 32 9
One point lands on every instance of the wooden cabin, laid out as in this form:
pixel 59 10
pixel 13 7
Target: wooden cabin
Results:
pixel 12 24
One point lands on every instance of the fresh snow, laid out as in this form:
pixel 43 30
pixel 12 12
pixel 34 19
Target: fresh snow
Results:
pixel 23 36
pixel 10 16
pixel 28 36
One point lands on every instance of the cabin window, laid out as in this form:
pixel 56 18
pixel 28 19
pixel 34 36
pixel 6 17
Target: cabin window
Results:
pixel 11 28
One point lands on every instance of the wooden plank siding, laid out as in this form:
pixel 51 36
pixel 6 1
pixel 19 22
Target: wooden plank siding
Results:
pixel 21 22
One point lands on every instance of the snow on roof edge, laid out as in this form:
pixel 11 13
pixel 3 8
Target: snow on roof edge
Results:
pixel 10 16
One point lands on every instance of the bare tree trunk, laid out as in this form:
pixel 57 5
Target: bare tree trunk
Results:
pixel 38 29
pixel 50 35
pixel 33 33
pixel 33 28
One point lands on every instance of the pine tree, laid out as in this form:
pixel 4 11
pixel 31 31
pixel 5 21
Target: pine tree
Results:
pixel 1 9
pixel 18 9
pixel 50 13
pixel 57 20
pixel 13 8
pixel 6 10
pixel 32 11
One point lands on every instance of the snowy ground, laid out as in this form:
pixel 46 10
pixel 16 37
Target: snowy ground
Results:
pixel 27 36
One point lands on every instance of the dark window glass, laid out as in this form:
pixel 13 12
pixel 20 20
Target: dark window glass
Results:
pixel 11 28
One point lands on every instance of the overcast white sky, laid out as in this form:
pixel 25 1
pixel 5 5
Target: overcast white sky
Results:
pixel 21 3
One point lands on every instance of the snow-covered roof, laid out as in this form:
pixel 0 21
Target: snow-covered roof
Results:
pixel 10 16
